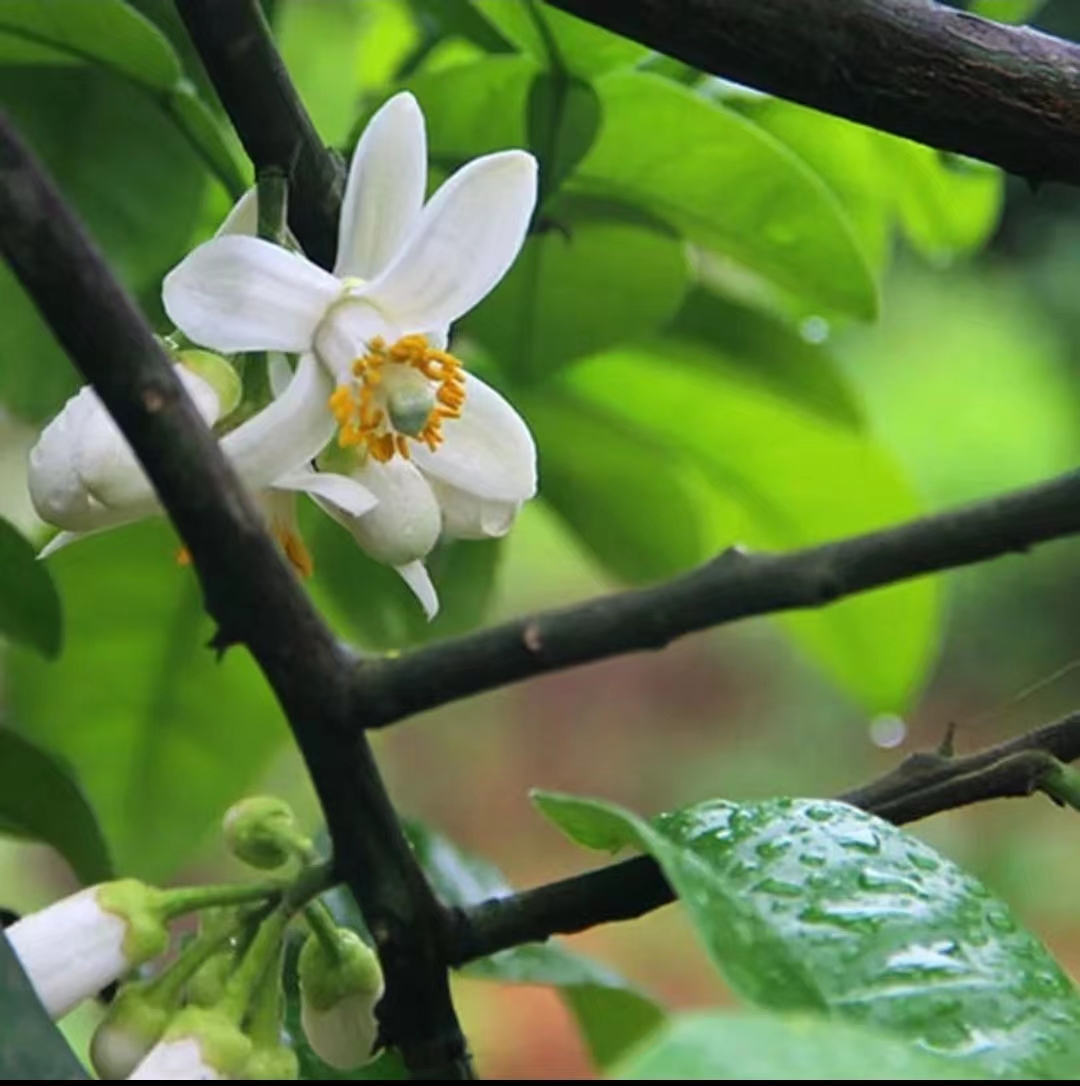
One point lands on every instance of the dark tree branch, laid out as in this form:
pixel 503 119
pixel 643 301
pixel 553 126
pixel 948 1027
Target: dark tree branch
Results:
pixel 733 586
pixel 235 46
pixel 249 592
pixel 922 785
pixel 1007 95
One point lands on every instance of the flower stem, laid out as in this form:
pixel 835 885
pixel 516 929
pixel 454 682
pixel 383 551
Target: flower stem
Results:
pixel 322 924
pixel 191 899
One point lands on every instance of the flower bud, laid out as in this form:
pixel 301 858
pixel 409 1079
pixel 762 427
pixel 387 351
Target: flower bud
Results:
pixel 217 373
pixel 79 944
pixel 200 1043
pixel 339 989
pixel 259 830
pixel 131 1027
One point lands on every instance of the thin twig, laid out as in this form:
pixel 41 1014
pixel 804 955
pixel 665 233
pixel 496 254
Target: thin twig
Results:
pixel 922 785
pixel 735 585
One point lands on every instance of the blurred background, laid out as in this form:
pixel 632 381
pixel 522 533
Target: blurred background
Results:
pixel 970 379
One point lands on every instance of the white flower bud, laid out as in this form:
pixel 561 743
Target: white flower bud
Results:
pixel 77 945
pixel 130 1029
pixel 338 994
pixel 200 1044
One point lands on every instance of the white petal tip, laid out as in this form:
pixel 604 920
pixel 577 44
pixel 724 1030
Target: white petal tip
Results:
pixel 58 542
pixel 416 576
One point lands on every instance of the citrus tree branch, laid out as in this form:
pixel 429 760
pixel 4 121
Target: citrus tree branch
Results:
pixel 922 785
pixel 734 585
pixel 1007 95
pixel 248 590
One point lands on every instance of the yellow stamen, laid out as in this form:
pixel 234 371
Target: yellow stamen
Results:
pixel 360 407
pixel 183 557
pixel 297 553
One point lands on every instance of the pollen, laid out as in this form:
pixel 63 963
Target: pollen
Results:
pixel 364 409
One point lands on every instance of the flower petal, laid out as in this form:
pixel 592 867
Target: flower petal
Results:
pixel 465 516
pixel 244 216
pixel 351 497
pixel 245 294
pixel 59 542
pixel 287 433
pixel 343 336
pixel 416 576
pixel 488 452
pixel 106 463
pixel 385 189
pixel 467 238
pixel 405 523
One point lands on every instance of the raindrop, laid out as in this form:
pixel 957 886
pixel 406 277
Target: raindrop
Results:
pixel 887 731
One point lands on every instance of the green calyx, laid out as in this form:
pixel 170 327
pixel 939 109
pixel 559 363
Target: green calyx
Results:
pixel 141 907
pixel 330 972
pixel 261 831
pixel 222 1046
pixel 132 1026
pixel 272 1064
pixel 217 373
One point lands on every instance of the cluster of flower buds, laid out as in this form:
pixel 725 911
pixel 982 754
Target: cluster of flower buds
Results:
pixel 215 1010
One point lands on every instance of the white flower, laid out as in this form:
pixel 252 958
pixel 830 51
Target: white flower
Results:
pixel 439 448
pixel 76 946
pixel 84 477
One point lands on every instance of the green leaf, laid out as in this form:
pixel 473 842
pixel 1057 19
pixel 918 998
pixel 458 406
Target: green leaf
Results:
pixel 1007 11
pixel 33 1048
pixel 612 1015
pixel 106 32
pixel 728 186
pixel 162 736
pixel 583 48
pixel 711 1045
pixel 846 156
pixel 373 603
pixel 29 605
pixel 597 275
pixel 759 347
pixel 799 481
pixel 40 798
pixel 111 35
pixel 947 207
pixel 563 120
pixel 813 905
pixel 473 109
pixel 635 506
pixel 132 180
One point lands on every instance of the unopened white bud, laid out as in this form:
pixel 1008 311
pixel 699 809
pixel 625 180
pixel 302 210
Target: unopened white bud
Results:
pixel 77 945
pixel 200 1044
pixel 339 990
pixel 130 1029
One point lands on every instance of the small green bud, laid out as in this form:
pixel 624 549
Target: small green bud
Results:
pixel 217 372
pixel 261 831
